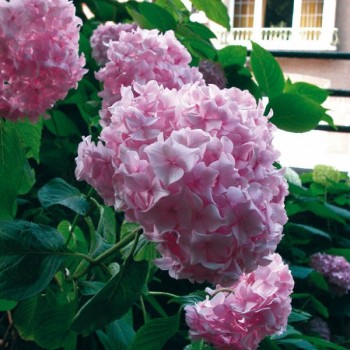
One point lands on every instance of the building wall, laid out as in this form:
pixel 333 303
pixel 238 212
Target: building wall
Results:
pixel 342 23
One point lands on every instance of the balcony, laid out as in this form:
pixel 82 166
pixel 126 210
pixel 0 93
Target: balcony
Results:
pixel 303 39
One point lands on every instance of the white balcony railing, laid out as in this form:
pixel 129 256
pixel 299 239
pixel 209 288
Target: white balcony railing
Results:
pixel 280 38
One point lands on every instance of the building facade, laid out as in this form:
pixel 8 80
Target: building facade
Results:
pixel 304 25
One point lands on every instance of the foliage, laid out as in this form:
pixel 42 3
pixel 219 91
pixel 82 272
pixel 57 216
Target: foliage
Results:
pixel 74 274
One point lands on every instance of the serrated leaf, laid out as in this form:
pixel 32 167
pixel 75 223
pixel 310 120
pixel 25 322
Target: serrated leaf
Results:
pixel 155 333
pixel 57 191
pixel 267 71
pixel 29 258
pixel 214 10
pixel 232 55
pixel 311 91
pixel 157 16
pixel 114 300
pixel 295 113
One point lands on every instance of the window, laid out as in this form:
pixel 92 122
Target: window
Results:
pixel 279 13
pixel 311 13
pixel 243 14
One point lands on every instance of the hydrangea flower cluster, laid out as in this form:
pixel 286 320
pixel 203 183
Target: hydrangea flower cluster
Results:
pixel 141 56
pixel 39 59
pixel 194 167
pixel 319 326
pixel 259 305
pixel 335 268
pixel 213 73
pixel 325 174
pixel 105 33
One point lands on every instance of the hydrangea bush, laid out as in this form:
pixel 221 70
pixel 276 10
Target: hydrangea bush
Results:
pixel 168 240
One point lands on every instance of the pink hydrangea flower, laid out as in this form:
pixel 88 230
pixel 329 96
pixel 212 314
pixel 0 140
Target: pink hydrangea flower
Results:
pixel 213 73
pixel 39 60
pixel 194 167
pixel 142 55
pixel 258 306
pixel 105 33
pixel 335 268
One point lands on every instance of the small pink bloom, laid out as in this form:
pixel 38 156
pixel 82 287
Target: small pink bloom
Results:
pixel 258 306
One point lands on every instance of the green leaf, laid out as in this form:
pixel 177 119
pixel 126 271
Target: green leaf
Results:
pixel 300 271
pixel 15 173
pixel 57 191
pixel 30 135
pixel 114 300
pixel 298 316
pixel 45 319
pixel 323 210
pixel 77 236
pixel 107 225
pixel 29 258
pixel 90 287
pixel 323 343
pixel 295 113
pixel 298 343
pixel 104 10
pixel 267 71
pixel 308 230
pixel 176 8
pixel 340 252
pixel 341 212
pixel 319 307
pixel 7 304
pixel 157 16
pixel 319 281
pixel 140 19
pixel 190 299
pixel 155 333
pixel 214 10
pixel 118 335
pixel 204 48
pixel 203 31
pixel 61 125
pixel 233 55
pixel 308 90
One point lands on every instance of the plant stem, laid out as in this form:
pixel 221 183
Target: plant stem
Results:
pixel 76 219
pixel 165 294
pixel 116 248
